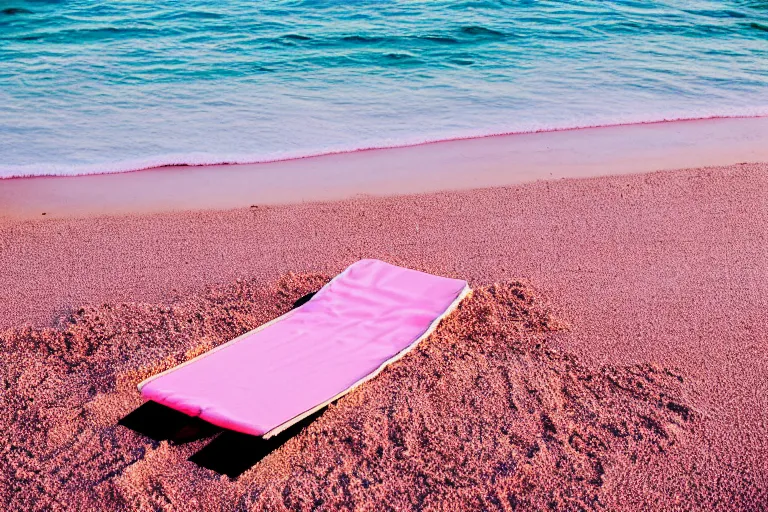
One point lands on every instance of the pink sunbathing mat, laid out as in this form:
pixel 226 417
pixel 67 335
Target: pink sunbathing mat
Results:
pixel 272 377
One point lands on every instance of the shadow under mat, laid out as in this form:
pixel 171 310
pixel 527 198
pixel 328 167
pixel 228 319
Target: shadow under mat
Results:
pixel 162 423
pixel 233 453
pixel 303 300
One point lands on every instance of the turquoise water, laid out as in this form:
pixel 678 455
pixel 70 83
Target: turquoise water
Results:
pixel 118 85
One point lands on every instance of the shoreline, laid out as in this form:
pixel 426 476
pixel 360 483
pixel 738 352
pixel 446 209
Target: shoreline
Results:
pixel 485 162
pixel 147 166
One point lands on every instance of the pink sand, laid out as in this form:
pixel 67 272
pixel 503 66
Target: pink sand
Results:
pixel 667 267
pixel 362 319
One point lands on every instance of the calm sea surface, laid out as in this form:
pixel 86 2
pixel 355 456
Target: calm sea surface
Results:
pixel 118 85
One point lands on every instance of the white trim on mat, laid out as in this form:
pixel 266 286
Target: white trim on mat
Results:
pixel 464 293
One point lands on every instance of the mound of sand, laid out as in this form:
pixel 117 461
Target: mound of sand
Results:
pixel 483 414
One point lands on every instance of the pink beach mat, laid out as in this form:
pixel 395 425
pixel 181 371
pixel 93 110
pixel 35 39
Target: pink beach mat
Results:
pixel 272 377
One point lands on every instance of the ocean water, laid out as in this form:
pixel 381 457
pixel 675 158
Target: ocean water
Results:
pixel 118 85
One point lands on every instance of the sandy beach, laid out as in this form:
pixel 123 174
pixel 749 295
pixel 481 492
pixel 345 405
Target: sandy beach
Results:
pixel 613 357
pixel 383 256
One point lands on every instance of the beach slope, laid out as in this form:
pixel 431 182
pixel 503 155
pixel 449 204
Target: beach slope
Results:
pixel 614 355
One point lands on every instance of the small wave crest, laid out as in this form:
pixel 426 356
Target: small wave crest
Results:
pixel 13 11
pixel 479 31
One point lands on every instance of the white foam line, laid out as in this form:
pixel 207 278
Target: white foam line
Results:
pixel 204 159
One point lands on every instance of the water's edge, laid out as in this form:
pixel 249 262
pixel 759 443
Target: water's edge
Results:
pixel 454 165
pixel 29 171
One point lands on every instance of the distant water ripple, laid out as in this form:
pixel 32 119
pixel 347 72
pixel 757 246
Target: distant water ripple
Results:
pixel 125 84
